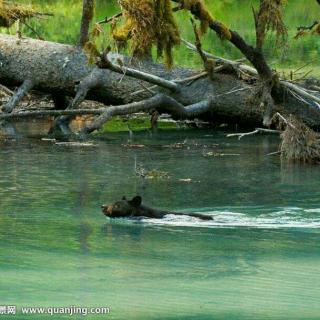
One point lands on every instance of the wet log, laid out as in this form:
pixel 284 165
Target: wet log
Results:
pixel 63 70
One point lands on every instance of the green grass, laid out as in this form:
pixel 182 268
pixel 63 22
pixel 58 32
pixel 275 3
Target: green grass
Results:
pixel 64 26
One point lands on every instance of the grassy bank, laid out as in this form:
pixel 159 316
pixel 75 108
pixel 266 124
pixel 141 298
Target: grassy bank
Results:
pixel 64 26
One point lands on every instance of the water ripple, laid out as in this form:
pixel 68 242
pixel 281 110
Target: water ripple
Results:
pixel 290 217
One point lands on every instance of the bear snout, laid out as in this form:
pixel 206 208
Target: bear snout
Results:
pixel 104 208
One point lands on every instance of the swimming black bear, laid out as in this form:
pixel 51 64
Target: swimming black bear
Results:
pixel 134 208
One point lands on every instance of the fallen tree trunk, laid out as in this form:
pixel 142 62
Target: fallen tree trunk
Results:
pixel 63 70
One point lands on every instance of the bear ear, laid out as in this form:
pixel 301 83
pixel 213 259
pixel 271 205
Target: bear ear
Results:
pixel 136 201
pixel 124 198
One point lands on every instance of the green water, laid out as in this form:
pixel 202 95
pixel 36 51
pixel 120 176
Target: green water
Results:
pixel 259 259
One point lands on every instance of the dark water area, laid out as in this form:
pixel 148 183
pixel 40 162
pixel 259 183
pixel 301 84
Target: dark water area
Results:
pixel 258 259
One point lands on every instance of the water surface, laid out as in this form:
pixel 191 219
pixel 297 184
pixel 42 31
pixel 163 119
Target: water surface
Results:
pixel 258 259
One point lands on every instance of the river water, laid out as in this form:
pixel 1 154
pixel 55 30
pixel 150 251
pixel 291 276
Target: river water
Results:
pixel 258 259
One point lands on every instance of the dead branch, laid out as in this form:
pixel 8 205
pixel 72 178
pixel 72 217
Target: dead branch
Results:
pixel 32 30
pixel 301 91
pixel 90 82
pixel 105 63
pixel 287 122
pixel 252 71
pixel 6 90
pixel 43 113
pixel 53 78
pixel 208 63
pixel 315 88
pixel 108 20
pixel 254 55
pixel 256 131
pixel 159 102
pixel 302 31
pixel 235 64
pixel 274 153
pixel 22 91
pixel 180 81
pixel 93 80
pixel 195 77
pixel 307 27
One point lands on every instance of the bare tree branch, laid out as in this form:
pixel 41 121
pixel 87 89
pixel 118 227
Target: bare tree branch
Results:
pixel 256 131
pixel 6 90
pixel 243 67
pixel 308 27
pixel 160 102
pixel 107 20
pixel 42 113
pixel 107 64
pixel 301 91
pixel 21 92
pixel 252 71
pixel 254 55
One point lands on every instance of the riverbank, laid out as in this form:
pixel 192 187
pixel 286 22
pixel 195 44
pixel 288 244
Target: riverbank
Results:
pixel 296 54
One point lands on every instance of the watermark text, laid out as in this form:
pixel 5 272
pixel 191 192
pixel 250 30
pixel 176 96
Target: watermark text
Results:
pixel 70 310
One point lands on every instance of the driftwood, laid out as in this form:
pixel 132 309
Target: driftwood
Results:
pixel 124 86
pixel 6 90
pixel 256 131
